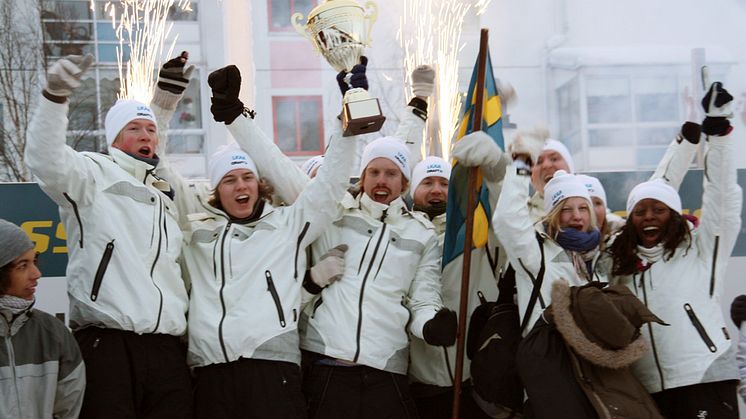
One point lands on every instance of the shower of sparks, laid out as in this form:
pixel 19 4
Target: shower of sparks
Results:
pixel 430 33
pixel 481 6
pixel 141 28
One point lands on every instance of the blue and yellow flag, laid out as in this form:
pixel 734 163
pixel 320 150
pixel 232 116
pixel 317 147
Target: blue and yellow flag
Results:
pixel 453 244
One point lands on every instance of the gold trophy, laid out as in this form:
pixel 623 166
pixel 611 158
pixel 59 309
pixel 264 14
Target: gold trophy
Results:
pixel 340 30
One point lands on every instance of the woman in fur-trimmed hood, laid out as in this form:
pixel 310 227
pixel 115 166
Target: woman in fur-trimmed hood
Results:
pixel 576 365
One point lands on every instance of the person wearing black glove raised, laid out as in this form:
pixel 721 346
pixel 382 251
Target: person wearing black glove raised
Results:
pixel 717 103
pixel 226 84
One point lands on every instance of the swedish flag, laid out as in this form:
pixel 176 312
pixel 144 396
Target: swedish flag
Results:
pixel 492 125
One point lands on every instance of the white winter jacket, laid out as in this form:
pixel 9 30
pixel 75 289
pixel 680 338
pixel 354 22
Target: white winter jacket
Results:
pixel 513 225
pixel 122 236
pixel 685 290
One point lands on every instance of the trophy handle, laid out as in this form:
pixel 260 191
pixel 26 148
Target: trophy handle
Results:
pixel 300 28
pixel 371 17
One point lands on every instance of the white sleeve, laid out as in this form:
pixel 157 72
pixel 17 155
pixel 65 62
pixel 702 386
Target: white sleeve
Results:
pixel 425 291
pixel 63 173
pixel 675 163
pixel 741 361
pixel 411 129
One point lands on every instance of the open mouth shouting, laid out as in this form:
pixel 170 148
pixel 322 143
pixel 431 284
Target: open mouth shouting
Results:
pixel 650 235
pixel 145 151
pixel 381 195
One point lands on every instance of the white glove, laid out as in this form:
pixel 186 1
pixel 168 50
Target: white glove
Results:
pixel 479 150
pixel 507 93
pixel 423 81
pixel 526 144
pixel 64 75
pixel 330 267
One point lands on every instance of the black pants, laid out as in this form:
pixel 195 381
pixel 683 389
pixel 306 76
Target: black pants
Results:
pixel 437 402
pixel 249 388
pixel 357 392
pixel 710 400
pixel 134 376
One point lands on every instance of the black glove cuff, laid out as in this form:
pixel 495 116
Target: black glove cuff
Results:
pixel 309 285
pixel 716 125
pixel 420 107
pixel 224 111
pixel 691 132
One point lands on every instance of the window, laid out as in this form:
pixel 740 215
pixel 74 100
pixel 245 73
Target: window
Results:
pixel 298 124
pixel 620 118
pixel 74 27
pixel 280 12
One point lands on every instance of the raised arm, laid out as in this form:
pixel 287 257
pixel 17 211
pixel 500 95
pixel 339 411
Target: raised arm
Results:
pixel 678 157
pixel 64 174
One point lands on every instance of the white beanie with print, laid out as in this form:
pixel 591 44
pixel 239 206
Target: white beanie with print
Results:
pixel 122 113
pixel 430 166
pixel 654 189
pixel 389 148
pixel 227 158
pixel 594 186
pixel 563 185
pixel 554 145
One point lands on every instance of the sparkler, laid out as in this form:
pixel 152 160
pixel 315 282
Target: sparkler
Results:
pixel 481 6
pixel 142 28
pixel 430 33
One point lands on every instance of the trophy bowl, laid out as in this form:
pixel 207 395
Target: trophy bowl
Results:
pixel 339 30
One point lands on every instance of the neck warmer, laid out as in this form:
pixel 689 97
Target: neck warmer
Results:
pixel 650 255
pixel 432 211
pixel 578 241
pixel 14 305
pixel 258 210
pixel 151 161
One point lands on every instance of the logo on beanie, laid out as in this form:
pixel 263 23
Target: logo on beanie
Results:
pixel 238 159
pixel 434 168
pixel 401 158
pixel 557 196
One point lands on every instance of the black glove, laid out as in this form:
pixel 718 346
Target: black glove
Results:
pixel 738 310
pixel 716 104
pixel 441 329
pixel 174 77
pixel 690 131
pixel 225 84
pixel 357 77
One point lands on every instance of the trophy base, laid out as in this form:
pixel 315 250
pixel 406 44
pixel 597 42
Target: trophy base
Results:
pixel 361 117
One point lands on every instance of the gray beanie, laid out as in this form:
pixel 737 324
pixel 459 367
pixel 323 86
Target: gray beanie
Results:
pixel 13 242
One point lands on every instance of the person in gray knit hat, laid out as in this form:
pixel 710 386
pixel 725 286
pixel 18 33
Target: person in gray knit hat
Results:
pixel 47 374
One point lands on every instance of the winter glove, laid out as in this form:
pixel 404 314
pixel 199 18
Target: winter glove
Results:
pixel 690 131
pixel 717 103
pixel 330 268
pixel 478 150
pixel 355 78
pixel 441 329
pixel 526 147
pixel 738 310
pixel 64 75
pixel 225 84
pixel 174 75
pixel 423 81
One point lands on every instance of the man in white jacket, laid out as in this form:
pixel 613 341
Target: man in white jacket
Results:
pixel 128 301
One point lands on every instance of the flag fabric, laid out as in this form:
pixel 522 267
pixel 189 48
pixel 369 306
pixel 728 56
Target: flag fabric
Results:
pixel 453 243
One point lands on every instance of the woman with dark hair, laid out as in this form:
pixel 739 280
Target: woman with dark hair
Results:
pixel 675 265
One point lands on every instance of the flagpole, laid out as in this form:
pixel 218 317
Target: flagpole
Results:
pixel 470 205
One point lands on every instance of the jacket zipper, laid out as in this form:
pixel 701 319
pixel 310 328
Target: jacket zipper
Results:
pixel 714 264
pixel 222 287
pixel 362 287
pixel 12 365
pixel 700 329
pixel 297 247
pixel 276 297
pixel 77 216
pixel 604 413
pixel 101 270
pixel 152 267
pixel 650 330
pixel 317 304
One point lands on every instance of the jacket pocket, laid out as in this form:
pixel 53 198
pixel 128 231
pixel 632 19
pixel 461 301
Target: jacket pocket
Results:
pixel 700 329
pixel 101 270
pixel 276 297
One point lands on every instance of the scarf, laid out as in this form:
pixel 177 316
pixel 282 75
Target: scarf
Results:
pixel 14 305
pixel 582 247
pixel 648 256
pixel 432 211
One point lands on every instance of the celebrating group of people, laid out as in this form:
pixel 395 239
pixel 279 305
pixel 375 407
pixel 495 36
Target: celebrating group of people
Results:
pixel 278 291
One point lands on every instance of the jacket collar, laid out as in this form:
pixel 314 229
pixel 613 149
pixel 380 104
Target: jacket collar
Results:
pixel 10 324
pixel 138 169
pixel 394 210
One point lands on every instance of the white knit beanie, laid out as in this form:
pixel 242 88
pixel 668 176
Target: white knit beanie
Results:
pixel 309 165
pixel 227 158
pixel 122 113
pixel 554 145
pixel 594 186
pixel 389 148
pixel 430 166
pixel 654 189
pixel 561 186
pixel 13 242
